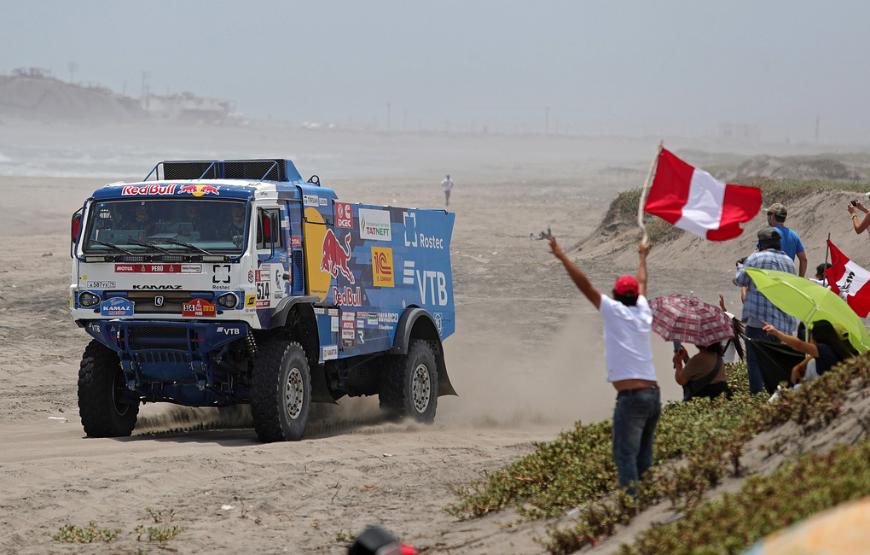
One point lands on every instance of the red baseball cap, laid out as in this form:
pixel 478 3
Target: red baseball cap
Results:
pixel 626 285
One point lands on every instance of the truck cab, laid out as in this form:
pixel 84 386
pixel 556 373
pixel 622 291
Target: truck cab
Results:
pixel 227 282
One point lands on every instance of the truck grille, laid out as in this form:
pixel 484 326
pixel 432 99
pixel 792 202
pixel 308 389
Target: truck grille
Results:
pixel 146 301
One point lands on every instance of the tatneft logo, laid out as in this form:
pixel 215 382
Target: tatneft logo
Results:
pixel 374 225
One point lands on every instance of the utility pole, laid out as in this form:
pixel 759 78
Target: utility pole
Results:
pixel 389 115
pixel 143 98
pixel 73 67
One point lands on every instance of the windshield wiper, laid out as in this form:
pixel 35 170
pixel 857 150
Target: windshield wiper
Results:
pixel 151 245
pixel 112 246
pixel 184 244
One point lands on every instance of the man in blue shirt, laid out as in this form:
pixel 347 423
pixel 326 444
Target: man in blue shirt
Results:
pixel 757 310
pixel 791 242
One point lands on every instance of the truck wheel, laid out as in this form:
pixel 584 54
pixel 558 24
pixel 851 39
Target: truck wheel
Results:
pixel 280 391
pixel 103 407
pixel 409 383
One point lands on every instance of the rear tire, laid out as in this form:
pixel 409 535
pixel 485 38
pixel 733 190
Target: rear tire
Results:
pixel 280 391
pixel 102 390
pixel 409 383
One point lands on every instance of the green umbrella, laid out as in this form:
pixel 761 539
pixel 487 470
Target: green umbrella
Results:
pixel 810 302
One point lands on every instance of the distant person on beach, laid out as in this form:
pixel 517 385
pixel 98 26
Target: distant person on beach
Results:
pixel 627 325
pixel 790 241
pixel 859 226
pixel 702 375
pixel 824 349
pixel 757 310
pixel 447 186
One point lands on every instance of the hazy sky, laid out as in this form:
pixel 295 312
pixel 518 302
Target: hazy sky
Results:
pixel 646 67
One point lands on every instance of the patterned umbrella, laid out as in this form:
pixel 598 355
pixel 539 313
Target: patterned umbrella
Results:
pixel 690 320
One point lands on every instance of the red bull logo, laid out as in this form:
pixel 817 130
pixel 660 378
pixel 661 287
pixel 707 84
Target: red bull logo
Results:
pixel 199 190
pixel 335 257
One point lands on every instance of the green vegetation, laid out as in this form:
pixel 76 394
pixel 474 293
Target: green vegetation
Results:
pixel 624 206
pixel 578 465
pixel 70 533
pixel 708 437
pixel 764 504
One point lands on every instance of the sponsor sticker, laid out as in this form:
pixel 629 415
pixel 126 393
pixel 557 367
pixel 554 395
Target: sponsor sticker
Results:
pixel 332 311
pixel 335 257
pixel 310 200
pixel 372 319
pixel 134 190
pixel 374 225
pixel 117 306
pixel 348 316
pixel 343 215
pixel 430 242
pixel 333 324
pixel 382 266
pixel 329 352
pixel 250 276
pixel 198 308
pixel 264 286
pixel 296 241
pixel 409 219
pixel 319 310
pixel 347 296
pixel 250 301
pixel 322 201
pixel 199 190
pixel 408 272
pixel 439 322
pixel 98 284
pixel 158 268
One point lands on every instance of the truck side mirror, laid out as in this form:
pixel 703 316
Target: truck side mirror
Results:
pixel 76 226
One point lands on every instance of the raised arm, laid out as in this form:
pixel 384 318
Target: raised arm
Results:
pixel 792 341
pixel 576 274
pixel 642 251
pixel 859 224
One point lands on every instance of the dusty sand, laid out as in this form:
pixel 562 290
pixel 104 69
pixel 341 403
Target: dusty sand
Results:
pixel 526 359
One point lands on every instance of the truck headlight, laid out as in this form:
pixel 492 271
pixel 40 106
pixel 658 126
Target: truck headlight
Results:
pixel 228 300
pixel 88 300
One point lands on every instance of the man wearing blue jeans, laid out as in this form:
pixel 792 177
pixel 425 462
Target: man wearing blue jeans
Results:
pixel 757 310
pixel 627 325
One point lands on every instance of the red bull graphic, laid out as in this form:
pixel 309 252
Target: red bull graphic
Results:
pixel 199 190
pixel 335 257
pixel 133 190
pixel 347 296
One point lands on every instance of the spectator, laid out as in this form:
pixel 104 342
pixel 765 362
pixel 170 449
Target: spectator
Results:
pixel 820 274
pixel 703 375
pixel 447 186
pixel 790 242
pixel 757 310
pixel 853 208
pixel 825 349
pixel 627 325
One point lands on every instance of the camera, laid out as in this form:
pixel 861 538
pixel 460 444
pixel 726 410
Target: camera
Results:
pixel 854 202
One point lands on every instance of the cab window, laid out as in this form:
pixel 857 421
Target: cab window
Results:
pixel 268 229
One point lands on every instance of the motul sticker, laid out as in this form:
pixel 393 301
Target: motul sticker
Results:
pixel 198 308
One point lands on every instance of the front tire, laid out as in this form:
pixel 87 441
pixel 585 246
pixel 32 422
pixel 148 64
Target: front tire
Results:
pixel 103 405
pixel 409 383
pixel 281 391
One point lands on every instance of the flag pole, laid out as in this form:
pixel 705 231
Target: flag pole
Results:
pixel 827 251
pixel 643 192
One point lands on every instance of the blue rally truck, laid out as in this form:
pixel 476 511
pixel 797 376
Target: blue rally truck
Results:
pixel 217 283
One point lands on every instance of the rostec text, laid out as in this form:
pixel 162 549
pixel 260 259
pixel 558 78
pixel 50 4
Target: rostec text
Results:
pixel 430 242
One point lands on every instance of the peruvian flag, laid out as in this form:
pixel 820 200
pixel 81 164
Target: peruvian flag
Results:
pixel 695 201
pixel 849 280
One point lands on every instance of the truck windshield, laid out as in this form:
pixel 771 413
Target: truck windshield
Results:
pixel 157 226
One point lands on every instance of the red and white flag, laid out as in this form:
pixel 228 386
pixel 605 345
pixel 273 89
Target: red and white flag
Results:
pixel 695 201
pixel 849 280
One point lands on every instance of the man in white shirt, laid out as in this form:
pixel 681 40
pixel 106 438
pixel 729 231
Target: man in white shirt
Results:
pixel 628 353
pixel 447 186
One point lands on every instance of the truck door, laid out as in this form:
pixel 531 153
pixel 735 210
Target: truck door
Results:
pixel 272 275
